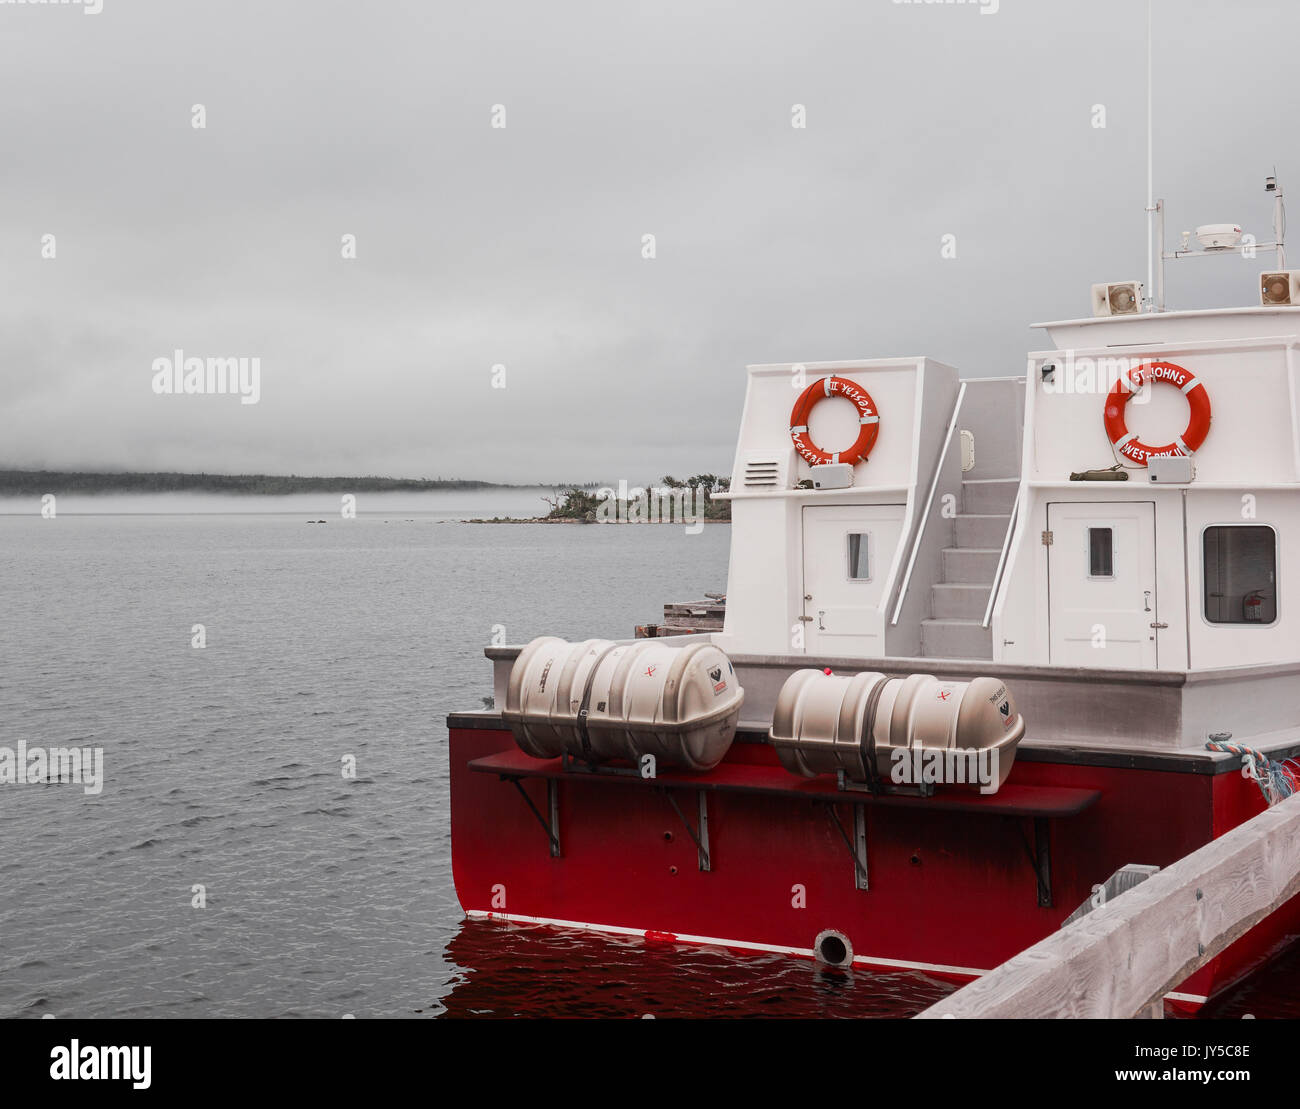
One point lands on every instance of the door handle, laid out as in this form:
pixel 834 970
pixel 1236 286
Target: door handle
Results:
pixel 1157 624
pixel 820 626
pixel 1146 600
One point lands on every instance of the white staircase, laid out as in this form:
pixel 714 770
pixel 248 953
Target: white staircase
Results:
pixel 957 603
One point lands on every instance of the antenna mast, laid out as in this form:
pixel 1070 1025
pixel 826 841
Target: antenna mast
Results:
pixel 1152 299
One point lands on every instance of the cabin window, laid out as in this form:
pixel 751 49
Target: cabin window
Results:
pixel 1240 563
pixel 1101 553
pixel 859 556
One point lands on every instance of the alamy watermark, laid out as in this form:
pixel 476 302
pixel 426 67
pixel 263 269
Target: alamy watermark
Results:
pixel 179 375
pixel 946 766
pixel 682 504
pixel 88 1062
pixel 986 7
pixel 88 7
pixel 1065 373
pixel 25 765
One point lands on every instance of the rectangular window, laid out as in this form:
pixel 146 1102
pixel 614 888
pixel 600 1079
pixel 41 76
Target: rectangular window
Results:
pixel 859 556
pixel 1101 553
pixel 1240 563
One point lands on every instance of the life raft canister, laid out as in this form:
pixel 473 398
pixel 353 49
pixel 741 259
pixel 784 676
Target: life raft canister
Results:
pixel 1127 442
pixel 868 420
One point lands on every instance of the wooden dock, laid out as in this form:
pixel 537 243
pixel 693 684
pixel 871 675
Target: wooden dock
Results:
pixel 1120 959
pixel 688 618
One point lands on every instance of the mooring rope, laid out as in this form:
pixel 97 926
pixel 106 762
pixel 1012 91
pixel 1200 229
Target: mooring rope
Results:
pixel 1276 780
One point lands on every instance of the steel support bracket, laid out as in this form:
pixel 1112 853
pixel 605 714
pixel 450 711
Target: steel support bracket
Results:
pixel 700 837
pixel 552 826
pixel 1040 858
pixel 857 845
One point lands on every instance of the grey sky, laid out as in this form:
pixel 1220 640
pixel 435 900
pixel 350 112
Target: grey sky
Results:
pixel 522 246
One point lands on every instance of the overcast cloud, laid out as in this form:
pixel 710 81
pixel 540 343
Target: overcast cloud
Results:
pixel 522 246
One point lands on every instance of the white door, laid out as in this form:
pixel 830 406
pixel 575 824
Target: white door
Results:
pixel 847 553
pixel 1101 571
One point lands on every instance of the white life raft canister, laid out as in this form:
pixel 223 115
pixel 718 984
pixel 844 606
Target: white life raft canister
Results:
pixel 913 731
pixel 599 700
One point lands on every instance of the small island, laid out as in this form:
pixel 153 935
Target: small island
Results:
pixel 672 501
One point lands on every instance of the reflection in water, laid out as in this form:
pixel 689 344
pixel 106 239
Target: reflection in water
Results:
pixel 526 970
pixel 1271 992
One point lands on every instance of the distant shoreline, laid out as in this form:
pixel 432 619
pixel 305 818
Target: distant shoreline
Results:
pixel 23 483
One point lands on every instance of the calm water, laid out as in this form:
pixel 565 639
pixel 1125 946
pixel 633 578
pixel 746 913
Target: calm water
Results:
pixel 222 765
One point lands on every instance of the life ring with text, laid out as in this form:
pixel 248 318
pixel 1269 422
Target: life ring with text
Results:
pixel 868 421
pixel 1198 427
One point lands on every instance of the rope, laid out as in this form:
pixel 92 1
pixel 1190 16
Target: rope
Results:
pixel 1276 780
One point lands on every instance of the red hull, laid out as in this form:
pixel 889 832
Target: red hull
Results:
pixel 952 892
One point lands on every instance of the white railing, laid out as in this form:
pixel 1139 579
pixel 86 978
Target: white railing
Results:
pixel 929 501
pixel 1002 560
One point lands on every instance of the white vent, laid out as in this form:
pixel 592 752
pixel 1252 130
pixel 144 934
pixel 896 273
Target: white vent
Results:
pixel 764 473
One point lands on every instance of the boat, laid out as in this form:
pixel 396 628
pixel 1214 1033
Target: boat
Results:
pixel 987 643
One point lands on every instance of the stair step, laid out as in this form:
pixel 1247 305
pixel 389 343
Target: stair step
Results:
pixel 989 495
pixel 956 639
pixel 971 564
pixel 958 601
pixel 981 530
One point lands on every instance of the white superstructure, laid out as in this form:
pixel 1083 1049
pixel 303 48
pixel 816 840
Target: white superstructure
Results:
pixel 963 534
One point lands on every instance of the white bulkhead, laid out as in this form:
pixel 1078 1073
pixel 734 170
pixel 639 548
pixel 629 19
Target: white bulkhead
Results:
pixel 962 534
pixel 817 569
pixel 1184 574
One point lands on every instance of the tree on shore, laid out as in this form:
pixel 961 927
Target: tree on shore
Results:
pixel 573 504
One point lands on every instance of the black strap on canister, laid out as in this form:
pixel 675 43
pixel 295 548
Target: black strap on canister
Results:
pixel 868 741
pixel 583 735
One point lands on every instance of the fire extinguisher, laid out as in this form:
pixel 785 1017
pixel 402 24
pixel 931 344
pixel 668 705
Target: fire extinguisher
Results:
pixel 1253 607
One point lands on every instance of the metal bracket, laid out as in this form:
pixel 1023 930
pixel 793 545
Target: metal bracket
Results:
pixel 857 845
pixel 701 839
pixel 550 827
pixel 1040 858
pixel 846 784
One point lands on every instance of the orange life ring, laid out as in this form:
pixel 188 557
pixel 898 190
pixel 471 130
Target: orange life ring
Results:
pixel 868 420
pixel 1127 442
